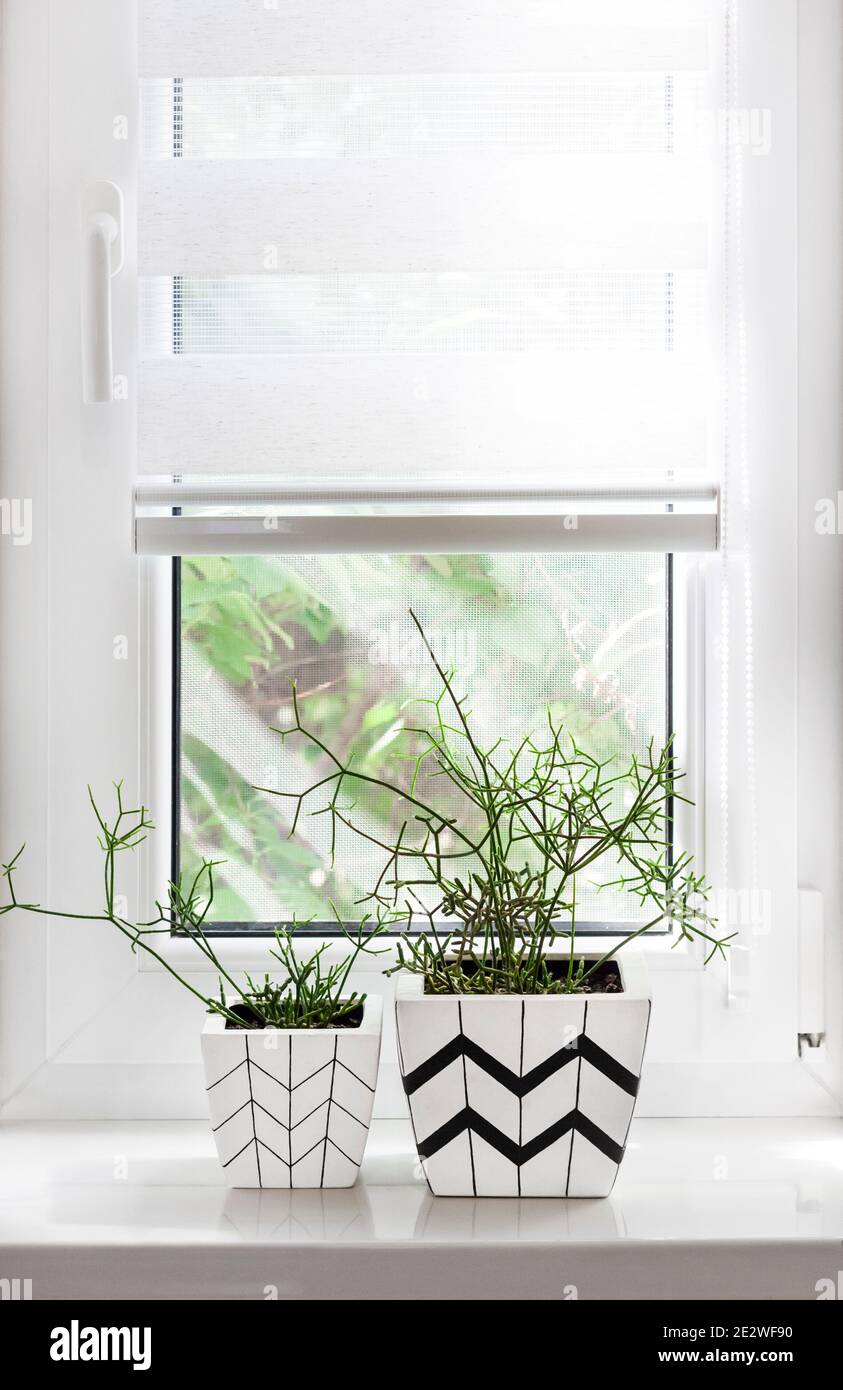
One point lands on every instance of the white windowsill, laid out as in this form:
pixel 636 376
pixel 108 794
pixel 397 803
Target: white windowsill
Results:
pixel 735 1209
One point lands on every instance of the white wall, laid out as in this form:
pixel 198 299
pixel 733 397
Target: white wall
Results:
pixel 24 654
pixel 820 645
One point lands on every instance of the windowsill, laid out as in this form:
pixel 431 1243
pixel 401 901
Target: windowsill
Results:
pixel 735 1209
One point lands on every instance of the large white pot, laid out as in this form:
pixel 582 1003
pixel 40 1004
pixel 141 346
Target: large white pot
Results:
pixel 291 1107
pixel 522 1095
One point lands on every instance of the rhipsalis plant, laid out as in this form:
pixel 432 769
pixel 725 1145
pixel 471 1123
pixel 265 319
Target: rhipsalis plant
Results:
pixel 310 992
pixel 495 881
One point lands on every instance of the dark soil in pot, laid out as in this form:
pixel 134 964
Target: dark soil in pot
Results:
pixel 251 1020
pixel 605 980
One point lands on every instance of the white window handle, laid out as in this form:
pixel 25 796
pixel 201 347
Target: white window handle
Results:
pixel 102 259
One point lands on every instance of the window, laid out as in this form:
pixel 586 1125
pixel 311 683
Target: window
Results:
pixel 523 242
pixel 356 302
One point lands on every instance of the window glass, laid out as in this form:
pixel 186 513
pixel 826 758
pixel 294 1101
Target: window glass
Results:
pixel 584 636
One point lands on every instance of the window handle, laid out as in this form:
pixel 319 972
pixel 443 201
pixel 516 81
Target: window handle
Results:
pixel 102 259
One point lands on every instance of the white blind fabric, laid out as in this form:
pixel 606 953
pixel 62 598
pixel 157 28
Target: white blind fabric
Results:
pixel 267 38
pixel 386 244
pixel 441 213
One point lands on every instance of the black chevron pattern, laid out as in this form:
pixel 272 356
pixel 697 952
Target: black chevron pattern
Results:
pixel 462 1046
pixel 519 1154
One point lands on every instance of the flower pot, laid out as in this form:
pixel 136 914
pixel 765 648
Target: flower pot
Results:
pixel 522 1095
pixel 291 1107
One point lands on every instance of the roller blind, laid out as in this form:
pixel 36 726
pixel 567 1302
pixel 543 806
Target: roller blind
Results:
pixel 403 260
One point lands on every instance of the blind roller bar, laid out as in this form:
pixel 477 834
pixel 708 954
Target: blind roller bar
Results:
pixel 231 494
pixel 424 535
pixel 441 526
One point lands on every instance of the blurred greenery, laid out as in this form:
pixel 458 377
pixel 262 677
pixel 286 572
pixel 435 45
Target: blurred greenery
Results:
pixel 580 634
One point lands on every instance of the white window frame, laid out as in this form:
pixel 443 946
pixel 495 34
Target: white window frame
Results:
pixel 249 951
pixel 90 1031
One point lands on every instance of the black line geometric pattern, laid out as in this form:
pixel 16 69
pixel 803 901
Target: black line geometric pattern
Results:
pixel 555 1124
pixel 292 1110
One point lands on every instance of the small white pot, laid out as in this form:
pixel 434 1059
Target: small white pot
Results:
pixel 522 1095
pixel 291 1107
